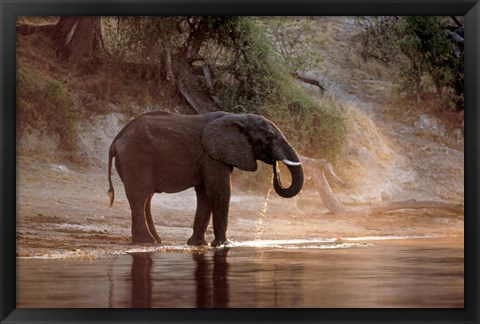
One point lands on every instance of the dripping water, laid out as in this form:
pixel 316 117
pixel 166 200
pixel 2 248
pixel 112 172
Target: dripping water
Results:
pixel 259 228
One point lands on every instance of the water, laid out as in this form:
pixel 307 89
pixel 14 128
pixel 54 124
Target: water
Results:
pixel 259 226
pixel 292 273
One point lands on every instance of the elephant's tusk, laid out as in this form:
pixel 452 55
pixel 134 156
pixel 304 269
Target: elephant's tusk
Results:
pixel 288 162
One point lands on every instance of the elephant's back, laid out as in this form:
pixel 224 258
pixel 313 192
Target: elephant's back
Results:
pixel 160 131
pixel 162 135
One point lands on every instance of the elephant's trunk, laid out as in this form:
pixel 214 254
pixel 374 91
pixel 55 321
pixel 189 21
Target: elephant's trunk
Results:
pixel 295 167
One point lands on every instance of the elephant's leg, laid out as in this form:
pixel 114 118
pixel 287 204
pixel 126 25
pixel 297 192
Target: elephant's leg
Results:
pixel 202 217
pixel 140 231
pixel 220 219
pixel 220 200
pixel 151 225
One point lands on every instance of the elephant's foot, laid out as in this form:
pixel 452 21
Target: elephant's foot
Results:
pixel 157 238
pixel 195 240
pixel 216 243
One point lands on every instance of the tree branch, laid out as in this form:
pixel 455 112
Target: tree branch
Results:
pixel 191 101
pixel 457 22
pixel 168 65
pixel 307 79
pixel 208 77
pixel 457 38
pixel 316 169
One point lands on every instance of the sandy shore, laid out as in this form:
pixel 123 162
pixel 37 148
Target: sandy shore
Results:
pixel 64 213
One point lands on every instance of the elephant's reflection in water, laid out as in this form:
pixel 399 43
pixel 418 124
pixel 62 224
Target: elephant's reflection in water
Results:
pixel 212 281
pixel 141 282
pixel 214 292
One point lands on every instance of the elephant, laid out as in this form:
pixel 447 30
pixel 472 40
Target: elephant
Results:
pixel 162 152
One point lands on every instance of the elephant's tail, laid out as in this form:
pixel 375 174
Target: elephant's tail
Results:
pixel 111 192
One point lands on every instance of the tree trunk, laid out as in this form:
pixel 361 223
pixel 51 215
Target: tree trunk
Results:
pixel 316 170
pixel 77 38
pixel 180 72
pixel 187 84
pixel 407 204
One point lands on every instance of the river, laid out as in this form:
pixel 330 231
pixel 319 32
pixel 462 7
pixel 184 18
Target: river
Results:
pixel 356 272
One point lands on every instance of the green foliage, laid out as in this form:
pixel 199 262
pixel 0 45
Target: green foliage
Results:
pixel 46 105
pixel 293 42
pixel 428 50
pixel 250 79
pixel 316 130
pixel 379 41
pixel 423 42
pixel 259 83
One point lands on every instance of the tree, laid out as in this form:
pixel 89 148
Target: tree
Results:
pixel 77 38
pixel 432 46
pixel 295 46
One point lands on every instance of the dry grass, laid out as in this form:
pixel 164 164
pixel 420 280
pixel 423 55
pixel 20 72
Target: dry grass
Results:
pixel 365 133
pixel 442 126
pixel 369 67
pixel 324 36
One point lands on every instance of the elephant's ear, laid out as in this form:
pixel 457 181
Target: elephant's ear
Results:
pixel 224 139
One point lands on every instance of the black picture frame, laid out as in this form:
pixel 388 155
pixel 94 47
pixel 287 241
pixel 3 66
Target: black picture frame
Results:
pixel 11 9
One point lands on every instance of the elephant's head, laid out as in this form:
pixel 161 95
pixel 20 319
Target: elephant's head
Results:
pixel 240 140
